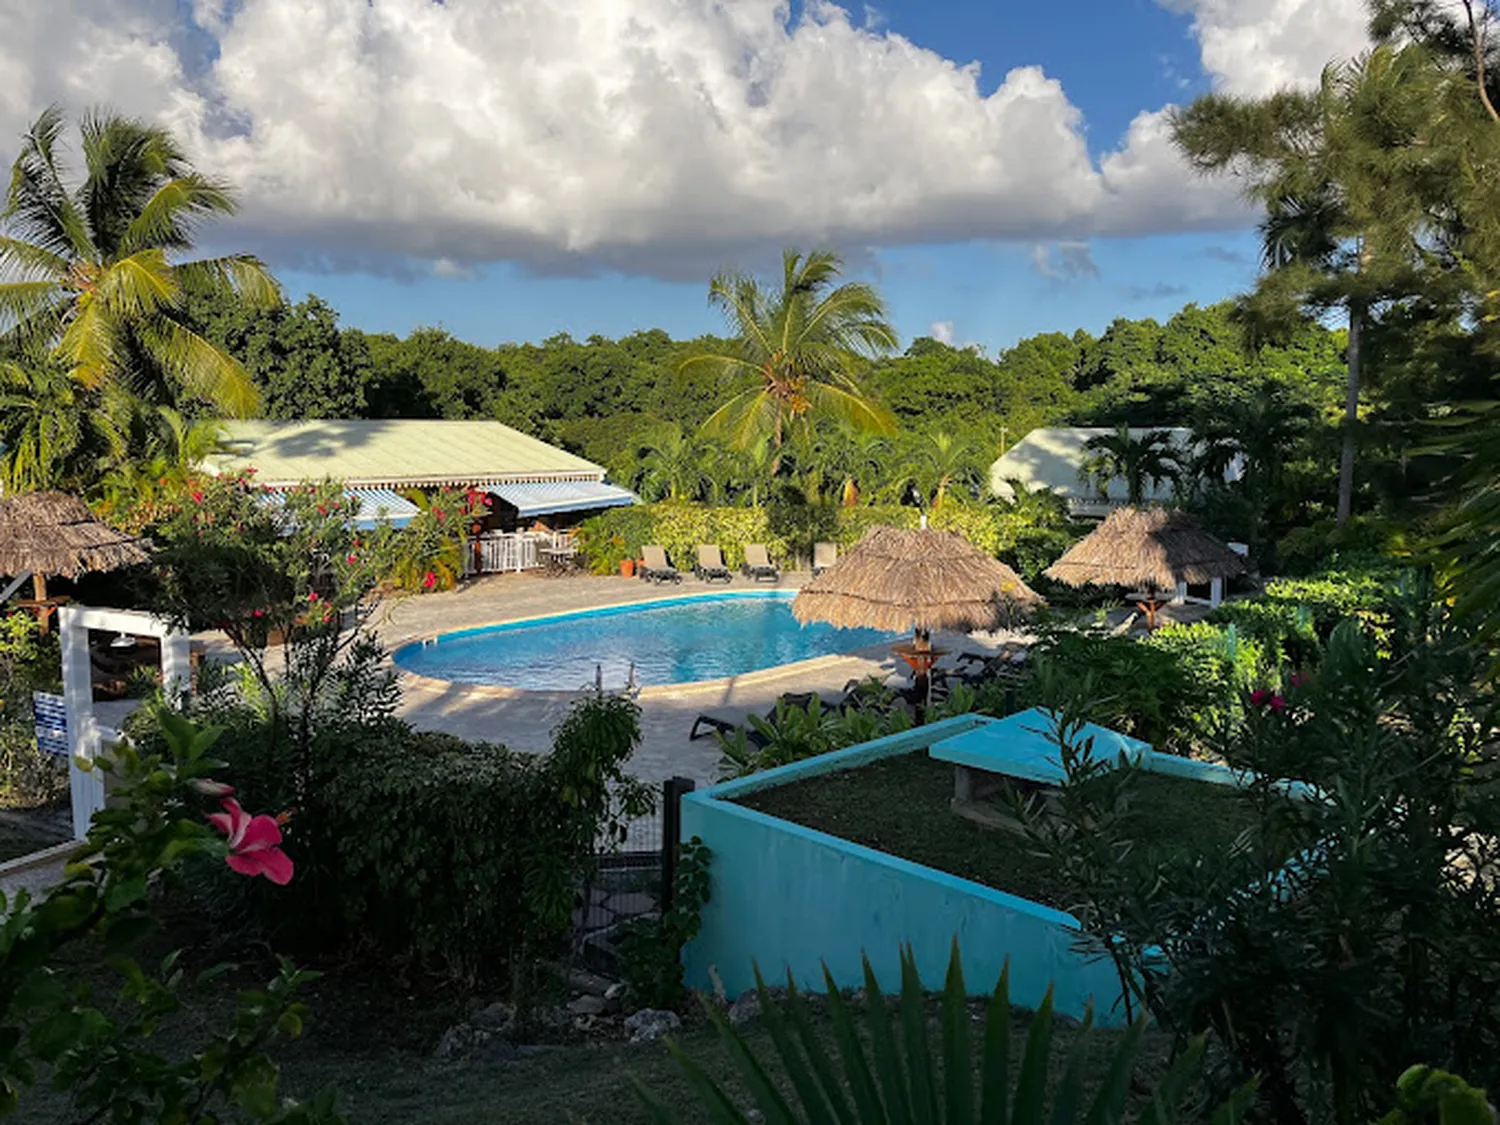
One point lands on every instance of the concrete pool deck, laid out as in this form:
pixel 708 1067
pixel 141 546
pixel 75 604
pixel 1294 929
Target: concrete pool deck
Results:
pixel 524 720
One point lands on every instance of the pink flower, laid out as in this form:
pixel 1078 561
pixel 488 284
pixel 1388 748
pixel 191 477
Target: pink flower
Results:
pixel 429 580
pixel 312 595
pixel 322 510
pixel 197 498
pixel 437 513
pixel 350 560
pixel 257 613
pixel 1260 697
pixel 254 843
pixel 211 788
pixel 1278 704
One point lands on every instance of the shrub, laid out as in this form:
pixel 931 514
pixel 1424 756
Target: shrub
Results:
pixel 1293 615
pixel 428 553
pixel 29 661
pixel 651 953
pixel 461 859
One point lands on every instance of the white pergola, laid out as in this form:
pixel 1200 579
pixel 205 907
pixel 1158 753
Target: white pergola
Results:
pixel 86 736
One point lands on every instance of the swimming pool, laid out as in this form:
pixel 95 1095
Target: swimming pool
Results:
pixel 674 641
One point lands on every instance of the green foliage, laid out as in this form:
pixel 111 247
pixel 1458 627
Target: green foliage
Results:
pixel 460 858
pixel 651 951
pixel 51 1027
pixel 1292 615
pixel 1373 946
pixel 1426 1095
pixel 29 661
pixel 428 553
pixel 890 1071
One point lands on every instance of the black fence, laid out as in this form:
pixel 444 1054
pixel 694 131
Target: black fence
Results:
pixel 634 881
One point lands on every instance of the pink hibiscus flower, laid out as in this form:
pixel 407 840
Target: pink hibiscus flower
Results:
pixel 254 843
pixel 429 580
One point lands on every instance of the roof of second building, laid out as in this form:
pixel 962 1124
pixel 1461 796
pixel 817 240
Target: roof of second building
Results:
pixel 395 451
pixel 1053 458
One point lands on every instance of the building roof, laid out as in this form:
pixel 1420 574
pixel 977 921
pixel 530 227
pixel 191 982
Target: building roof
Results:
pixel 1053 459
pixel 395 453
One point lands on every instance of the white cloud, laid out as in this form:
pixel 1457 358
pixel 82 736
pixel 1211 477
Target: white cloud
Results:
pixel 941 331
pixel 652 136
pixel 1254 47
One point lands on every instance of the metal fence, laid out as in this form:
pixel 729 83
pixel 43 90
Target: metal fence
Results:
pixel 633 881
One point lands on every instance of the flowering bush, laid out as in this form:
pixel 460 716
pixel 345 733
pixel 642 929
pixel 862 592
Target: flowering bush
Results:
pixel 429 552
pixel 50 1028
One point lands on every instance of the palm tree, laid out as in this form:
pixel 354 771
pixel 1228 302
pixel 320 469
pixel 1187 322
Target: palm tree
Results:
pixel 171 448
pixel 1143 462
pixel 801 344
pixel 43 428
pixel 92 272
pixel 669 464
pixel 947 463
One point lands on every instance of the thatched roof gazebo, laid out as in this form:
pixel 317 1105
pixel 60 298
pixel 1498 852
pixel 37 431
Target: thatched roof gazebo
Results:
pixel 1148 549
pixel 920 580
pixel 50 533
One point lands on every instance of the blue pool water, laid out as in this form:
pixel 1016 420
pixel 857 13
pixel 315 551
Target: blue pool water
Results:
pixel 671 642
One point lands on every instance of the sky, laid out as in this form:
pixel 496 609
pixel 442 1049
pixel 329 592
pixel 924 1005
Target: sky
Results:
pixel 511 169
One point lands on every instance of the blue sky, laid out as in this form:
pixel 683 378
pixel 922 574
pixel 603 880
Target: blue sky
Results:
pixel 1114 59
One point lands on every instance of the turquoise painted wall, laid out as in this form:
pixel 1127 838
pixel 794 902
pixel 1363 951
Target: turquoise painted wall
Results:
pixel 784 896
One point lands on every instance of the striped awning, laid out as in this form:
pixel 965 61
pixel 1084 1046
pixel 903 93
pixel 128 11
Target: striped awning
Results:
pixel 563 496
pixel 374 506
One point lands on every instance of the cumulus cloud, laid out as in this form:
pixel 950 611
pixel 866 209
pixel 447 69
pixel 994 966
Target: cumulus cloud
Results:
pixel 650 136
pixel 941 331
pixel 1255 47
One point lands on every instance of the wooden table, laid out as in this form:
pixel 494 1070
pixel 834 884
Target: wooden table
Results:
pixel 1152 603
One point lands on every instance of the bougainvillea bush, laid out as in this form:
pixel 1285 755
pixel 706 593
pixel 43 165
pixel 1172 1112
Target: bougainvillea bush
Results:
pixel 167 808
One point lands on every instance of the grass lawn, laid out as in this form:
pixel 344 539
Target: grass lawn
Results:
pixel 900 806
pixel 376 1047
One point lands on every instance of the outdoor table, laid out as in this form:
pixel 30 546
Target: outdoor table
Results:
pixel 558 559
pixel 1152 602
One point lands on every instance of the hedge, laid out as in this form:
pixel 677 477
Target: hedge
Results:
pixel 790 531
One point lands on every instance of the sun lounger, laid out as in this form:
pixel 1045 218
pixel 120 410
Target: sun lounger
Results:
pixel 758 564
pixel 657 568
pixel 824 556
pixel 711 566
pixel 725 723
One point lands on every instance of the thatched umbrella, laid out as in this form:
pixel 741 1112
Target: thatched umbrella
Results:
pixel 50 533
pixel 1150 548
pixel 920 580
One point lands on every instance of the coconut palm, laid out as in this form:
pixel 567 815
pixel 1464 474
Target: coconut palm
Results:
pixel 171 447
pixel 801 344
pixel 53 433
pixel 669 465
pixel 1144 462
pixel 92 272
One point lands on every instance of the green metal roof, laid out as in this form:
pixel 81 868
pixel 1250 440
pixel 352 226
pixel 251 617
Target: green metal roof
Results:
pixel 394 452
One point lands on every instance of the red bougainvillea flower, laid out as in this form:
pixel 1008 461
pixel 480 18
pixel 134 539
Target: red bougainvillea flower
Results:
pixel 1277 704
pixel 1260 697
pixel 254 843
pixel 312 595
pixel 429 580
pixel 350 560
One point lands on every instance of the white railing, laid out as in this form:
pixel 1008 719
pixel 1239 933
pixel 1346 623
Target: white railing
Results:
pixel 502 551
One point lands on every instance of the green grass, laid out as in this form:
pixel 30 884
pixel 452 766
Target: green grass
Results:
pixel 374 1044
pixel 901 806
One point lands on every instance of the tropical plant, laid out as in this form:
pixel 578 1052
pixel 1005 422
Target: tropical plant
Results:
pixel 170 448
pixel 92 272
pixel 428 553
pixel 889 1074
pixel 53 1027
pixel 1144 462
pixel 801 344
pixel 668 465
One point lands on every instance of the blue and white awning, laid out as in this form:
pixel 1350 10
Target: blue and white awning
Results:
pixel 374 506
pixel 562 496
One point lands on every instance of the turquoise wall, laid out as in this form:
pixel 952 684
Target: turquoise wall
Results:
pixel 787 897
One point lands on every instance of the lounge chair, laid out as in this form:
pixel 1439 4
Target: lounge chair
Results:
pixel 758 564
pixel 824 556
pixel 709 722
pixel 711 564
pixel 658 569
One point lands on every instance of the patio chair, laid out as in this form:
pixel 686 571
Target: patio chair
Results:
pixel 824 556
pixel 658 569
pixel 711 564
pixel 758 564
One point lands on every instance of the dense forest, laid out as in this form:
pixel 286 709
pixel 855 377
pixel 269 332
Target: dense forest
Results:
pixel 601 397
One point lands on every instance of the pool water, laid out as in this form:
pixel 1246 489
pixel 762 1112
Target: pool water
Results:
pixel 676 641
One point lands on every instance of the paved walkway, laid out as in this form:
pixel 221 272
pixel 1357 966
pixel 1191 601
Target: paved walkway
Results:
pixel 524 720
